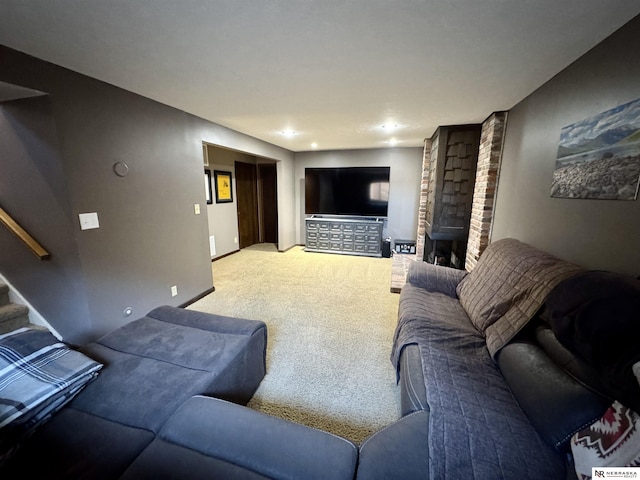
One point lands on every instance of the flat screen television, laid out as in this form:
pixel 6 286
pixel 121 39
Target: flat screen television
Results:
pixel 361 191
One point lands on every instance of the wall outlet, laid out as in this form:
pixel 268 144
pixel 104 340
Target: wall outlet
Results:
pixel 196 208
pixel 174 290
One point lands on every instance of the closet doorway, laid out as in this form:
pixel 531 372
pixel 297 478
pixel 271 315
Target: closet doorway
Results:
pixel 256 188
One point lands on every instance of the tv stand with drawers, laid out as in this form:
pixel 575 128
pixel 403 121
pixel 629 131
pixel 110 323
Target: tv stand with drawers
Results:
pixel 344 234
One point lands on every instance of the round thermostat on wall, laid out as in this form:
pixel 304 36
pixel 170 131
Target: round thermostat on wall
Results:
pixel 121 169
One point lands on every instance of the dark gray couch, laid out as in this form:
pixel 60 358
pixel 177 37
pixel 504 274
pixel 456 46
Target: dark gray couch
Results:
pixel 151 412
pixel 152 366
pixel 477 354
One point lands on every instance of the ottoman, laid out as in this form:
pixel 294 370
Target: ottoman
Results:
pixel 155 363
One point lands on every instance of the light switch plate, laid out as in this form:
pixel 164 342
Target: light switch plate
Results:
pixel 88 220
pixel 196 208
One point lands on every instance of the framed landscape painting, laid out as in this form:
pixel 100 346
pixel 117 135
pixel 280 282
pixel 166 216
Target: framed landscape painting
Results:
pixel 599 157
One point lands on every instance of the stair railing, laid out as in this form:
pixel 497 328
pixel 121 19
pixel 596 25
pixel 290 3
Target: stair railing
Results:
pixel 23 235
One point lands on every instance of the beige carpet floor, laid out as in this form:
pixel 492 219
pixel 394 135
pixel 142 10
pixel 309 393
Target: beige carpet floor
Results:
pixel 330 321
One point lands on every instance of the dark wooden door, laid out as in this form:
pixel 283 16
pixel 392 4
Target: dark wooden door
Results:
pixel 246 190
pixel 268 195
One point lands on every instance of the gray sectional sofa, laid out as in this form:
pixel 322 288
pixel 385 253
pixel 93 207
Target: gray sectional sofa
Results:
pixel 151 367
pixel 167 403
pixel 498 369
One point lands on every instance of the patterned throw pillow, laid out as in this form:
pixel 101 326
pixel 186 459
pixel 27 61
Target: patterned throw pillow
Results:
pixel 612 441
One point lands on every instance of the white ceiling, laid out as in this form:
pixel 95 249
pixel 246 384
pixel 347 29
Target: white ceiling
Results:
pixel 334 71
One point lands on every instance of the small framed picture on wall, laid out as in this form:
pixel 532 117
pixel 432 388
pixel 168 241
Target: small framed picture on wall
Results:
pixel 222 181
pixel 207 186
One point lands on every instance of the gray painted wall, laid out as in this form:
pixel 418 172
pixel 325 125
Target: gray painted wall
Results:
pixel 599 234
pixel 404 184
pixel 149 237
pixel 224 137
pixel 223 217
pixel 33 191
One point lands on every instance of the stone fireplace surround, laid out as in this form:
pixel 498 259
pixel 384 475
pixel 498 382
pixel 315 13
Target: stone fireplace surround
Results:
pixel 487 174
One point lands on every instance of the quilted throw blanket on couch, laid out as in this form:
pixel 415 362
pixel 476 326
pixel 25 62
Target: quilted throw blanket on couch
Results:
pixel 38 376
pixel 477 429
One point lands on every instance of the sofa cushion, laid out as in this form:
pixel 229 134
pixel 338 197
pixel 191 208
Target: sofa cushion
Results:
pixel 186 338
pixel 237 369
pixel 398 451
pixel 156 363
pixel 76 444
pixel 38 376
pixel 138 391
pixel 231 441
pixel 420 312
pixel 507 288
pixel 166 460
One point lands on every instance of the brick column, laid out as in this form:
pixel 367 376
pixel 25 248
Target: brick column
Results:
pixel 487 174
pixel 424 189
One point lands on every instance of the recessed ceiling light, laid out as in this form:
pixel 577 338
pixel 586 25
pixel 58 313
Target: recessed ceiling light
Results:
pixel 392 141
pixel 389 126
pixel 314 145
pixel 289 133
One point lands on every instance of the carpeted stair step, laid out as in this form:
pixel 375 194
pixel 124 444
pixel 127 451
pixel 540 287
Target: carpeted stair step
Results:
pixel 13 316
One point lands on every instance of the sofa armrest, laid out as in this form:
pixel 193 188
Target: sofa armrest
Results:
pixel 399 451
pixel 556 404
pixel 211 438
pixel 413 391
pixel 435 278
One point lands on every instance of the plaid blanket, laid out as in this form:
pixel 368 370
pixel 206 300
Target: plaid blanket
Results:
pixel 38 376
